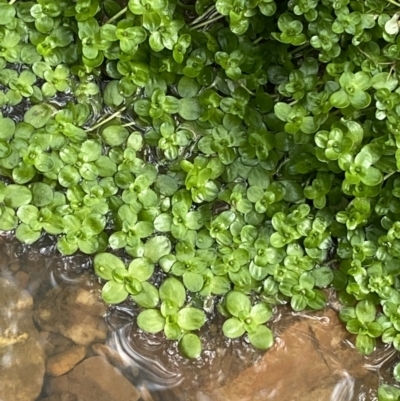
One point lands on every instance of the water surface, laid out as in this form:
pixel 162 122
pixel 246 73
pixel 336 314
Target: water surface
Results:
pixel 312 358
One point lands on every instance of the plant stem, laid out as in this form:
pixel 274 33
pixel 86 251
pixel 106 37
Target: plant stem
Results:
pixel 299 48
pixel 129 124
pixel 247 89
pixel 117 15
pixel 11 2
pixel 367 55
pixel 116 114
pixel 209 21
pixel 258 40
pixel 200 17
pixel 389 175
pixel 394 2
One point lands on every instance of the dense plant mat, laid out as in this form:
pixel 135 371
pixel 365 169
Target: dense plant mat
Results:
pixel 244 153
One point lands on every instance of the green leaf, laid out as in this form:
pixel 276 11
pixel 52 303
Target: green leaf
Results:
pixel 26 235
pixel 190 109
pixel 105 263
pixel 388 393
pixel 233 328
pixel 16 196
pixel 117 240
pixel 188 87
pixel 237 303
pixel 151 321
pixel 318 301
pixel 396 373
pixel 190 346
pixel 141 269
pixel 298 302
pixel 220 285
pixel 157 247
pixel 261 338
pixel 365 311
pixel 193 281
pixel 115 135
pixel 148 297
pixel 42 194
pixel 261 313
pixel 27 212
pixel 7 128
pixel 39 115
pixel 365 344
pixel 112 96
pixel 65 247
pixel 191 318
pixel 323 276
pixel 340 99
pixel 382 80
pixel 7 13
pixel 23 173
pixel 173 290
pixel 114 293
pixel 94 222
pixel 163 222
pixel 172 331
pixel 354 326
pixel 282 111
pixel 166 185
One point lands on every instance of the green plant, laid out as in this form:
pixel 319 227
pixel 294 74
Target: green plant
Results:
pixel 175 140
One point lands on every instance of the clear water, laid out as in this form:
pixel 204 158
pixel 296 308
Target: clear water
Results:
pixel 228 370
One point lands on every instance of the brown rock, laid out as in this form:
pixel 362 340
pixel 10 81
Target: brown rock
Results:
pixel 14 266
pixel 76 313
pixel 4 260
pixel 61 397
pixel 307 362
pixel 21 354
pixel 22 279
pixel 145 393
pixel 112 355
pixel 54 343
pixel 62 363
pixel 95 380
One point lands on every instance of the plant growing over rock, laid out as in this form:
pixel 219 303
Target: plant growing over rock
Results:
pixel 243 151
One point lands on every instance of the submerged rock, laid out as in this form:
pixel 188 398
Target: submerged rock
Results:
pixel 311 360
pixel 62 363
pixel 61 397
pixel 76 313
pixel 54 343
pixel 95 380
pixel 113 356
pixel 22 364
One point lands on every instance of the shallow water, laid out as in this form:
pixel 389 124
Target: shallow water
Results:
pixel 312 359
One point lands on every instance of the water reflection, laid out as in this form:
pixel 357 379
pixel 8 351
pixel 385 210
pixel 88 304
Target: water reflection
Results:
pixel 312 358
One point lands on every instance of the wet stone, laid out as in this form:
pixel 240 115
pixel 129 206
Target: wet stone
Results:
pixel 76 313
pixel 111 355
pixel 22 363
pixel 61 397
pixel 95 380
pixel 62 363
pixel 22 279
pixel 54 343
pixel 3 261
pixel 145 393
pixel 14 266
pixel 309 361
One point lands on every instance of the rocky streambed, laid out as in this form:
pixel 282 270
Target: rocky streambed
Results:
pixel 59 342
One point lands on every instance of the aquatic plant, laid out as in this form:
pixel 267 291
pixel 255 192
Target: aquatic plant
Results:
pixel 246 151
